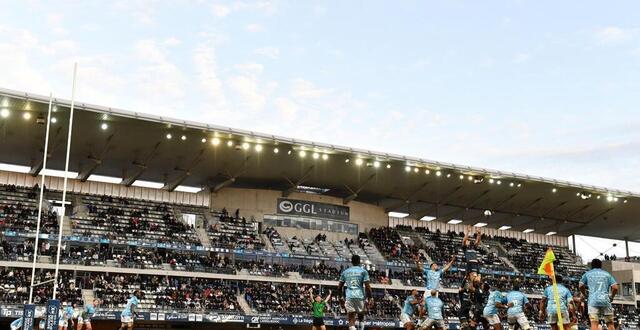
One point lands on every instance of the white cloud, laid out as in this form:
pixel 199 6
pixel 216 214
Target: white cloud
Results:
pixel 254 28
pixel 172 42
pixel 521 58
pixel 268 51
pixel 207 76
pixel 286 108
pixel 614 34
pixel 250 68
pixel 304 89
pixel 220 10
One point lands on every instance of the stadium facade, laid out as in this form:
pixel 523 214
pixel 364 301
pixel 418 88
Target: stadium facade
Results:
pixel 154 200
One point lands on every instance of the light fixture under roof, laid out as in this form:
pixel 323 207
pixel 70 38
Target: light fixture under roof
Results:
pixel 230 143
pixel 203 140
pixel 26 115
pixel 302 153
pixel 276 150
pixel 505 227
pixel 258 147
pixel 554 190
pixel 359 161
pixel 528 230
pixel 183 138
pixel 427 218
pixel 376 164
pixel 245 146
pixel 104 126
pixel 168 136
pixel 4 113
pixel 215 141
pixel 551 233
pixel 480 224
pixel 438 173
pixel 388 165
pixel 325 156
pixel 454 221
pixel 315 155
pixel 398 214
pixel 407 168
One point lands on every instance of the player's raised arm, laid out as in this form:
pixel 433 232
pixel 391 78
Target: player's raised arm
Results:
pixel 467 233
pixel 478 236
pixel 449 264
pixel 326 300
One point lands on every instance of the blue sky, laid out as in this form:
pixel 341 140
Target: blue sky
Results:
pixel 540 87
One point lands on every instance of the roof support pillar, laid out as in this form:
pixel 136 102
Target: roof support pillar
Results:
pixel 354 193
pixel 294 185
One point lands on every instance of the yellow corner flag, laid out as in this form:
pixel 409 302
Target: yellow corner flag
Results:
pixel 546 268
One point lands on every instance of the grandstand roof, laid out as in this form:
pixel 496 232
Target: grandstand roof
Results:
pixel 134 146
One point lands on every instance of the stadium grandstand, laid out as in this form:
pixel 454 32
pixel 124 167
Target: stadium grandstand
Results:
pixel 231 228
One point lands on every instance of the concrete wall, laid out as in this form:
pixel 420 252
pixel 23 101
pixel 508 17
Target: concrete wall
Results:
pixel 257 203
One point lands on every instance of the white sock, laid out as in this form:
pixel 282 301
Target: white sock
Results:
pixel 352 327
pixel 361 325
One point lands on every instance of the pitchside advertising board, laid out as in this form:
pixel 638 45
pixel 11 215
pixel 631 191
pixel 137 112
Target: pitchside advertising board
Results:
pixel 312 209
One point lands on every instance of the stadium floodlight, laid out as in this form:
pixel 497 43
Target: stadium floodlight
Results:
pixel 315 155
pixel 188 189
pixel 215 141
pixel 347 160
pixel 492 180
pixel 438 173
pixel 5 102
pixel 169 136
pixel 609 198
pixel 454 221
pixel 103 178
pixel 480 224
pixel 388 165
pixel 407 168
pixel 147 184
pixel 289 152
pixel 551 233
pixel 104 126
pixel 461 176
pixel 203 140
pixel 245 146
pixel 511 184
pixel 325 156
pixel 528 230
pixel 415 169
pixel 398 214
pixel 499 182
pixel 470 177
pixel 519 185
pixel 4 113
pixel 427 171
pixel 554 190
pixel 230 143
pixel 258 147
pixel 427 218
pixel 54 120
pixel 598 197
pixel 359 161
pixel 505 227
pixel 26 116
pixel 625 201
pixel 302 153
pixel 276 150
pixel 448 175
pixel 183 138
pixel 376 164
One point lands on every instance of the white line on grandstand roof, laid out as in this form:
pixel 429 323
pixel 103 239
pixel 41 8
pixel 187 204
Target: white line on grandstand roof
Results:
pixel 281 139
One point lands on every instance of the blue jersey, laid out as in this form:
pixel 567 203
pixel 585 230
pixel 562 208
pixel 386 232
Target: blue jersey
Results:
pixel 68 313
pixel 133 301
pixel 519 300
pixel 564 294
pixel 434 307
pixel 16 324
pixel 354 278
pixel 433 278
pixel 494 298
pixel 89 310
pixel 599 282
pixel 409 307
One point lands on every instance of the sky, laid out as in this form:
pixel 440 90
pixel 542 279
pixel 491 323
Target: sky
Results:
pixel 544 88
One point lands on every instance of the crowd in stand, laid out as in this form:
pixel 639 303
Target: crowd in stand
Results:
pixel 14 289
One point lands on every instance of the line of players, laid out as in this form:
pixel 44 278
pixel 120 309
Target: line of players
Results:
pixel 67 317
pixel 480 304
